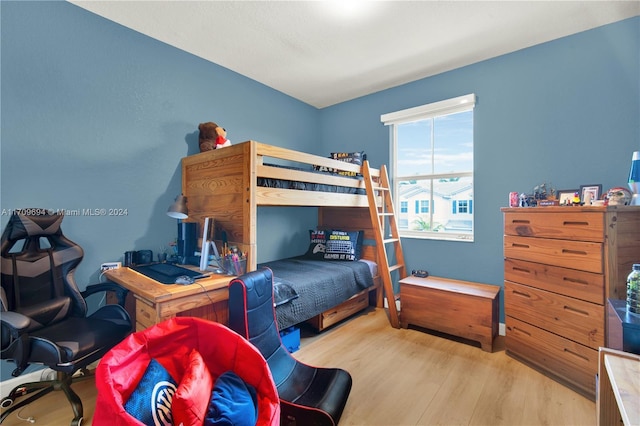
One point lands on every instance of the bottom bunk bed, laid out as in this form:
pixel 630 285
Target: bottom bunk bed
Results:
pixel 321 292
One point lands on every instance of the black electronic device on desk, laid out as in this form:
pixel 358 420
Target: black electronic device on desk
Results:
pixel 166 273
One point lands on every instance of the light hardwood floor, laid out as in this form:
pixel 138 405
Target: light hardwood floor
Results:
pixel 407 377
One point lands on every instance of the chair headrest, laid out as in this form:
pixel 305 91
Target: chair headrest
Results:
pixel 22 226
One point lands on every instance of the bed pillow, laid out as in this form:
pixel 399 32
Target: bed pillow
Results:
pixel 350 157
pixel 333 244
pixel 233 402
pixel 151 400
pixel 283 293
pixel 192 397
pixel 347 157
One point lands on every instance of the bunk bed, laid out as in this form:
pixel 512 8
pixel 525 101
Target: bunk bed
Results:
pixel 229 184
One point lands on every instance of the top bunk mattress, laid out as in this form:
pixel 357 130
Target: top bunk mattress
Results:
pixel 308 186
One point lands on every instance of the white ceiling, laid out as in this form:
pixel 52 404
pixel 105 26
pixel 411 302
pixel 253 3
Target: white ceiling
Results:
pixel 319 53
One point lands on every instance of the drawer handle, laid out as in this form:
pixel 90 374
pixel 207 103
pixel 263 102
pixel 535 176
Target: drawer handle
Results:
pixel 576 311
pixel 580 252
pixel 569 351
pixel 522 293
pixel 520 221
pixel 520 245
pixel 568 223
pixel 575 281
pixel 519 330
pixel 526 271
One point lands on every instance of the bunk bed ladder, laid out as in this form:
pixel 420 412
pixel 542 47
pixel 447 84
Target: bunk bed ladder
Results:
pixel 382 213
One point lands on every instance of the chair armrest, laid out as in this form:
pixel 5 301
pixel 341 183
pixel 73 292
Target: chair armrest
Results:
pixel 18 344
pixel 121 292
pixel 16 322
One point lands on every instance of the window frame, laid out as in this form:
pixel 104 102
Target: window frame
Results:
pixel 430 111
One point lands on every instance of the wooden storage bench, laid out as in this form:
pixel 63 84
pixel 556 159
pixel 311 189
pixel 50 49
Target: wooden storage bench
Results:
pixel 460 308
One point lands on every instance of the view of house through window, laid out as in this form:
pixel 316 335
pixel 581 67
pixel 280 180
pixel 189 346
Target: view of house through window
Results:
pixel 432 169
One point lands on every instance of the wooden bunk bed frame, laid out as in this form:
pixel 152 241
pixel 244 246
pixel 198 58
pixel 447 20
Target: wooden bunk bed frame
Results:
pixel 222 184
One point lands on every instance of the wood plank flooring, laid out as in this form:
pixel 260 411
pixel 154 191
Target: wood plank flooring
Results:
pixel 406 377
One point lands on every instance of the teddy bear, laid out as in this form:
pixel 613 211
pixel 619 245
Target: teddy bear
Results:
pixel 212 137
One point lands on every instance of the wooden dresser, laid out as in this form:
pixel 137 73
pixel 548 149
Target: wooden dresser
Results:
pixel 560 266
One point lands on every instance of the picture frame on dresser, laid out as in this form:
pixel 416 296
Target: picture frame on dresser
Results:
pixel 565 196
pixel 595 190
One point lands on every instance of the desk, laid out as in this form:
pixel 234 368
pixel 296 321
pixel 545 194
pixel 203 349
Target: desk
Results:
pixel 618 399
pixel 155 302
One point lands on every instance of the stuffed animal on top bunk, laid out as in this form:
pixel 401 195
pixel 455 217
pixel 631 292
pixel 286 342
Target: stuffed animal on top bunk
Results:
pixel 212 137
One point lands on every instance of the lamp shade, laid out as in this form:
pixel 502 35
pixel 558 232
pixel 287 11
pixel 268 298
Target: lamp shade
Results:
pixel 178 210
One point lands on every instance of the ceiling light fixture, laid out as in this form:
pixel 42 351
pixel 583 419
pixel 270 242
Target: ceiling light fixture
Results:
pixel 347 9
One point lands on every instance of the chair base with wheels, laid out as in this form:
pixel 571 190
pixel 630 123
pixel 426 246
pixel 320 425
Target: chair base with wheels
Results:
pixel 41 388
pixel 308 395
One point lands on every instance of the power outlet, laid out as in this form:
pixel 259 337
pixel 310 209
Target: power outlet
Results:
pixel 110 265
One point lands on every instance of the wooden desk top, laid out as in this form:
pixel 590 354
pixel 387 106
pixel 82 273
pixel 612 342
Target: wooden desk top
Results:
pixel 625 381
pixel 152 290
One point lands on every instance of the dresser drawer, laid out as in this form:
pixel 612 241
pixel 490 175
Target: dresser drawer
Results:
pixel 581 255
pixel 577 320
pixel 569 362
pixel 581 226
pixel 569 282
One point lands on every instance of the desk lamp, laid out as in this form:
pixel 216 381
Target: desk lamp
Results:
pixel 634 179
pixel 178 210
pixel 186 231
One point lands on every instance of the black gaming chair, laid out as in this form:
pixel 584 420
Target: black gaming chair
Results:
pixel 43 315
pixel 308 395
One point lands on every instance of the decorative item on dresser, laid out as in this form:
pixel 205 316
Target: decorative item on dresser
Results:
pixel 561 265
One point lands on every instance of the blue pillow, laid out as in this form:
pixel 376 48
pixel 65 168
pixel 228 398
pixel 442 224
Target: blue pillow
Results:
pixel 150 402
pixel 233 402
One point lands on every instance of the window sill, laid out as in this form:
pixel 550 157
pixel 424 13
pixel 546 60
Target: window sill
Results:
pixel 463 238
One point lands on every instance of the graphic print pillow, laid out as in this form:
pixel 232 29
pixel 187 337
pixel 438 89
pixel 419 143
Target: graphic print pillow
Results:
pixel 151 400
pixel 332 244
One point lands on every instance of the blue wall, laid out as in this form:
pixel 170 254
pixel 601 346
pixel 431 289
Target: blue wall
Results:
pixel 565 112
pixel 95 115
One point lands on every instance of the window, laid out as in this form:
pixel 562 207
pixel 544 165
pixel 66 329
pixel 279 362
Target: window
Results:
pixel 432 169
pixel 422 206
